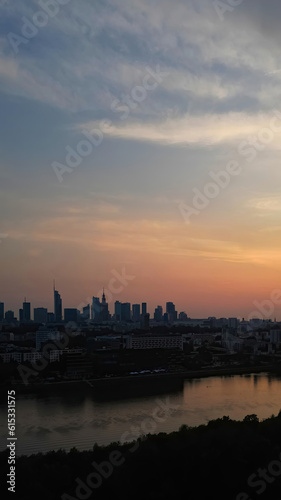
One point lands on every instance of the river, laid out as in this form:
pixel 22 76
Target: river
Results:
pixel 77 419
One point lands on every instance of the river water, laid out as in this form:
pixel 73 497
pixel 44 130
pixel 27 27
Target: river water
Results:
pixel 77 419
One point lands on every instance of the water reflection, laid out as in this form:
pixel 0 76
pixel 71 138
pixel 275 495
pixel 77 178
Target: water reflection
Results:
pixel 79 419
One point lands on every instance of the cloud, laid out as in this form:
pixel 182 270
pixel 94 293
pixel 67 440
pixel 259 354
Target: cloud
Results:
pixel 198 130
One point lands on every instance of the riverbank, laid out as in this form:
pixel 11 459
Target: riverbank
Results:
pixel 141 384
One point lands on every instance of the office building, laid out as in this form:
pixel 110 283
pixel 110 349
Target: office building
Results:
pixel 148 341
pixel 70 314
pixel 86 312
pixel 10 316
pixel 143 308
pixel 95 309
pixel 40 315
pixel 171 311
pixel 136 313
pixel 43 335
pixel 183 316
pixel 117 310
pixel 50 317
pixel 1 311
pixel 26 312
pixel 158 313
pixel 126 311
pixel 233 323
pixel 275 336
pixel 145 321
pixel 57 306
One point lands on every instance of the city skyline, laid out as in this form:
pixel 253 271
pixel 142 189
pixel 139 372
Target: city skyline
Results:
pixel 265 309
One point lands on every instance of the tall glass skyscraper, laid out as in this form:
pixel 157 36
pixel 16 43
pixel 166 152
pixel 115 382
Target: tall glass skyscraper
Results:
pixel 57 305
pixel 1 311
pixel 96 309
pixel 26 311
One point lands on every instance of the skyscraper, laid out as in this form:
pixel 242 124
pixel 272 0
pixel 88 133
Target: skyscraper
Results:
pixel 145 321
pixel 143 308
pixel 95 309
pixel 104 313
pixel 126 311
pixel 136 313
pixel 26 312
pixel 86 312
pixel 117 310
pixel 1 311
pixel 158 313
pixel 9 316
pixel 70 315
pixel 50 317
pixel 171 311
pixel 57 305
pixel 40 315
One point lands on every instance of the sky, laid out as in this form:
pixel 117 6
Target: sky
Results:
pixel 140 152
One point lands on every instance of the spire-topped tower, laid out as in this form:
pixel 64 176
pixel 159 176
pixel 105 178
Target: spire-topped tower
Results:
pixel 104 313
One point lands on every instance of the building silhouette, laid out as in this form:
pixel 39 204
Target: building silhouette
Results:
pixel 136 313
pixel 143 308
pixel 104 312
pixel 50 317
pixel 40 315
pixel 1 311
pixel 158 313
pixel 117 310
pixel 126 311
pixel 95 309
pixel 44 335
pixel 86 312
pixel 57 305
pixel 171 311
pixel 26 312
pixel 10 316
pixel 70 314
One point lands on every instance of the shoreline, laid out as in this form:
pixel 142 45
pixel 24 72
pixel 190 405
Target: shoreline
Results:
pixel 172 381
